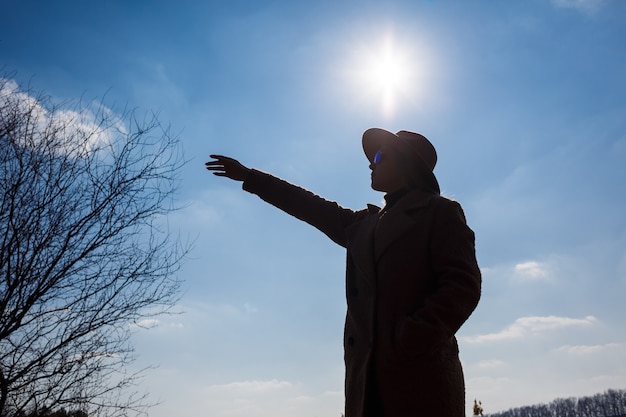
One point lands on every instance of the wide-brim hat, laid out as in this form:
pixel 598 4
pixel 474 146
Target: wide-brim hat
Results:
pixel 414 146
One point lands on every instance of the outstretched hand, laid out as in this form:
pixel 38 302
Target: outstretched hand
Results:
pixel 224 166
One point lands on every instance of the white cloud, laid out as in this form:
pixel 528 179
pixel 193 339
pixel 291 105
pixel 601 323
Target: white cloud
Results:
pixel 253 386
pixel 588 349
pixel 528 326
pixel 78 129
pixel 149 322
pixel 146 324
pixel 528 271
pixel 490 364
pixel 252 397
pixel 531 270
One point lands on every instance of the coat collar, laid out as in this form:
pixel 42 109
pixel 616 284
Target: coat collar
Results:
pixel 412 200
pixel 396 220
pixel 369 238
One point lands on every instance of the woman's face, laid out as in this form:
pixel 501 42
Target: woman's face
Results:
pixel 386 175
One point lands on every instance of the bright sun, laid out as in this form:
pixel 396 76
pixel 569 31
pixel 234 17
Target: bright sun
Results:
pixel 386 72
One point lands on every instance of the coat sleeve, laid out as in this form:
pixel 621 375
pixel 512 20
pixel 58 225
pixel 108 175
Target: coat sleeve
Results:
pixel 327 216
pixel 456 279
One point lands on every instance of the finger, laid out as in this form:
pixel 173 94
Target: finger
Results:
pixel 214 163
pixel 221 157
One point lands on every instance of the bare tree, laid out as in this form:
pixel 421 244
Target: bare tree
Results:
pixel 611 403
pixel 84 250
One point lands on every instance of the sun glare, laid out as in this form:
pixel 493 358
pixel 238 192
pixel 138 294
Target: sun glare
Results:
pixel 386 73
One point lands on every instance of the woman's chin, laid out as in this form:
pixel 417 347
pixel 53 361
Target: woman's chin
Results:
pixel 376 187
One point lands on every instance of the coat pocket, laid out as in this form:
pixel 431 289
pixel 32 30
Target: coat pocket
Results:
pixel 413 340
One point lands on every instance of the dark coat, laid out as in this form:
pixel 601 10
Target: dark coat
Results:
pixel 411 281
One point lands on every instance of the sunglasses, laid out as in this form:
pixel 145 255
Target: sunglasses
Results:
pixel 377 157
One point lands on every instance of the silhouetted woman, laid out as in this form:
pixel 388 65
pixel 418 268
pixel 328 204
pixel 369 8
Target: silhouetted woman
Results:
pixel 411 277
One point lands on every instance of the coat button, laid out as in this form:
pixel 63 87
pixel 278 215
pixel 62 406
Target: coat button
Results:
pixel 354 292
pixel 351 341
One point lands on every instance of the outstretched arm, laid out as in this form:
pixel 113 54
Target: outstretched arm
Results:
pixel 223 166
pixel 325 215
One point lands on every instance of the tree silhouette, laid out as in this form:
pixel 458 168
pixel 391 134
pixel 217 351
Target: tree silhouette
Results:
pixel 611 403
pixel 83 251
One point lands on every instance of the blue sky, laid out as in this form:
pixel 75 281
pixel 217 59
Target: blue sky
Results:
pixel 524 100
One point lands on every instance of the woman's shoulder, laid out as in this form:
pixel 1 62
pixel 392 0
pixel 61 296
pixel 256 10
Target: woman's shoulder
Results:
pixel 446 201
pixel 448 207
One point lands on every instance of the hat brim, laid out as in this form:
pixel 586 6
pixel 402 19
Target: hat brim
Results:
pixel 374 139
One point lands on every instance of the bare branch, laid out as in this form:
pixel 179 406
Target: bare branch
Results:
pixel 83 255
